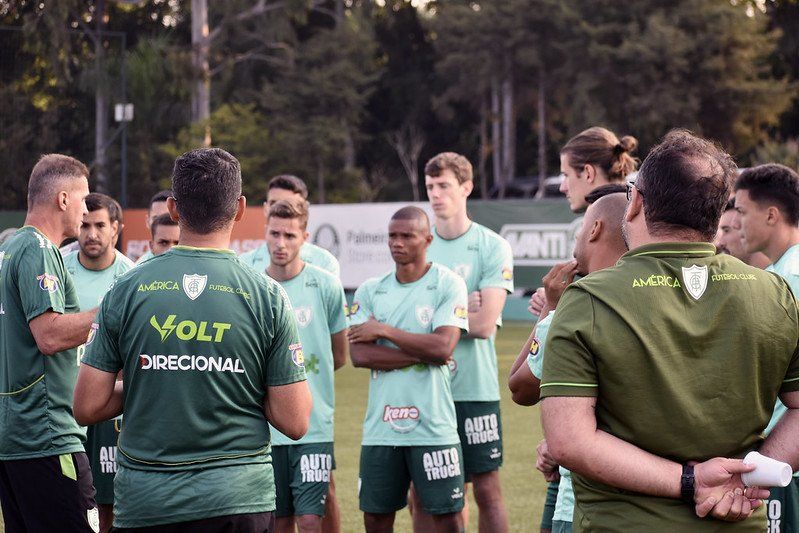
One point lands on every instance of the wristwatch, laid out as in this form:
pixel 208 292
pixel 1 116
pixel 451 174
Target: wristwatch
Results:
pixel 687 484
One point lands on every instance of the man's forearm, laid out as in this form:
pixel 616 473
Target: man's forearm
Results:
pixel 58 332
pixel 427 347
pixel 376 357
pixel 783 441
pixel 600 456
pixel 522 357
pixel 111 408
pixel 481 326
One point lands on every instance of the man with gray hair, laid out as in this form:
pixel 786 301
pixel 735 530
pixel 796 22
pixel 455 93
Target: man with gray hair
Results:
pixel 45 478
pixel 650 405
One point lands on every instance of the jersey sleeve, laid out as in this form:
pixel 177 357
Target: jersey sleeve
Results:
pixel 336 308
pixel 361 308
pixel 497 266
pixel 535 357
pixel 41 278
pixel 453 304
pixel 569 368
pixel 102 345
pixel 285 362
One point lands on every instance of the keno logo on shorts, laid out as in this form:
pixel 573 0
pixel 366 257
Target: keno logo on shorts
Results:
pixel 194 285
pixel 402 419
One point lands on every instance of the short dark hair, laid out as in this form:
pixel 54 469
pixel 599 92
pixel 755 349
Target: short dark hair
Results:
pixel 685 182
pixel 206 185
pixel 456 163
pixel 411 212
pixel 291 209
pixel 730 205
pixel 96 201
pixel 604 190
pixel 161 220
pixel 289 183
pixel 160 196
pixel 48 171
pixel 773 184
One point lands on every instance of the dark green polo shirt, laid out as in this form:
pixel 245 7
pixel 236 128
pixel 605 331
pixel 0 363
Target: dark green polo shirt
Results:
pixel 685 350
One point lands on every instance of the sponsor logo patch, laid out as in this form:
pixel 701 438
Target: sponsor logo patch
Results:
pixel 402 419
pixel 184 363
pixel 194 285
pixel 92 333
pixel 315 467
pixel 535 346
pixel 48 282
pixel 695 280
pixel 187 330
pixel 297 355
pixel 481 429
pixel 507 273
pixel 461 311
pixel 354 308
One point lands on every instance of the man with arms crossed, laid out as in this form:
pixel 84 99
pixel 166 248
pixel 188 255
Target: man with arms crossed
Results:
pixel 94 268
pixel 767 200
pixel 302 469
pixel 644 403
pixel 209 353
pixel 405 326
pixel 165 234
pixel 45 477
pixel 288 187
pixel 156 209
pixel 485 261
pixel 599 244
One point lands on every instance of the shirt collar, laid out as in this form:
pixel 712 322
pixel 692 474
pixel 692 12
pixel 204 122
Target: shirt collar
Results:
pixel 673 249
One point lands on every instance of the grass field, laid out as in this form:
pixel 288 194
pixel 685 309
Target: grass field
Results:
pixel 523 487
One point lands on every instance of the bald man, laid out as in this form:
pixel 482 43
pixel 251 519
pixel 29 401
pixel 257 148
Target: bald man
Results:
pixel 599 244
pixel 404 327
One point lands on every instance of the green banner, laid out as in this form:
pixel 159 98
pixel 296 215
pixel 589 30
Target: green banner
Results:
pixel 540 233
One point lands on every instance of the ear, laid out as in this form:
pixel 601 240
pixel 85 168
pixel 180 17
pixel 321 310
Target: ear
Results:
pixel 773 216
pixel 172 207
pixel 635 206
pixel 116 228
pixel 241 208
pixel 306 235
pixel 590 173
pixel 428 239
pixel 468 186
pixel 62 199
pixel 596 231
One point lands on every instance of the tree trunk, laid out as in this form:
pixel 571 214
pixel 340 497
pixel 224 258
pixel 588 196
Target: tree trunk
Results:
pixel 484 149
pixel 201 47
pixel 100 104
pixel 508 132
pixel 542 132
pixel 349 147
pixel 320 181
pixel 496 135
pixel 408 142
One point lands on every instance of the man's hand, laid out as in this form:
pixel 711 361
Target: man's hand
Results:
pixel 545 463
pixel 537 302
pixel 720 492
pixel 475 301
pixel 556 281
pixel 369 331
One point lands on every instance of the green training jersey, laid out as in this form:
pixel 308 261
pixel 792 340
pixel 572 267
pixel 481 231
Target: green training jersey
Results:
pixel 686 379
pixel 483 259
pixel 199 337
pixel 310 253
pixel 92 285
pixel 412 406
pixel 319 307
pixel 787 266
pixel 35 389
